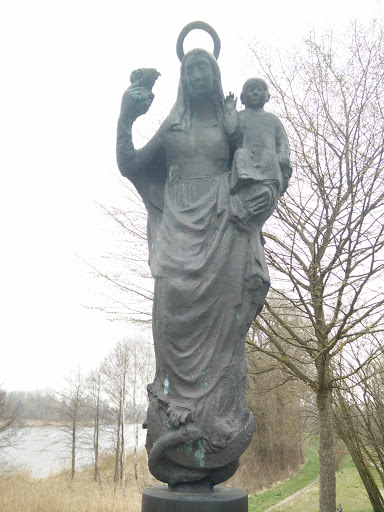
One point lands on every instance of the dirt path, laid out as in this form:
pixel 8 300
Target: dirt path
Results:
pixel 285 500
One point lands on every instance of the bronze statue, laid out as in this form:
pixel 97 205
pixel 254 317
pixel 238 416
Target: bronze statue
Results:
pixel 206 256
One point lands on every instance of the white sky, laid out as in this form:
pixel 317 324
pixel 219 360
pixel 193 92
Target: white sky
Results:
pixel 65 65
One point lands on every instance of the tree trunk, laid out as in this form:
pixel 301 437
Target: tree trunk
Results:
pixel 135 415
pixel 123 457
pixel 117 459
pixel 348 430
pixel 136 450
pixel 370 485
pixel 73 458
pixel 96 474
pixel 326 450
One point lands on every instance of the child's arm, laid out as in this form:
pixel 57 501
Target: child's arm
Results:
pixel 282 145
pixel 282 148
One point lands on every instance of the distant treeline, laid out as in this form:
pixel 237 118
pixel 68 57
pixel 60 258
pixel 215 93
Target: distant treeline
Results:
pixel 46 407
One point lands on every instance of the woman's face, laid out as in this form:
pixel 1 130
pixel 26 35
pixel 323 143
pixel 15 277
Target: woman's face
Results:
pixel 199 75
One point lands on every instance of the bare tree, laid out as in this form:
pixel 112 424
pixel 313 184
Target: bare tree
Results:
pixel 95 404
pixel 126 372
pixel 359 418
pixel 143 366
pixel 326 244
pixel 276 401
pixel 116 369
pixel 72 410
pixel 124 272
pixel 10 410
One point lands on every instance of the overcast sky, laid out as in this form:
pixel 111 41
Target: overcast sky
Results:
pixel 65 66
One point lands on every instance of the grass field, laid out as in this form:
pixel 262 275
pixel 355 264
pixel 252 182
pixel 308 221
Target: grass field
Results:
pixel 21 493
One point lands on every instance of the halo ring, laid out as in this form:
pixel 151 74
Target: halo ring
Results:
pixel 202 26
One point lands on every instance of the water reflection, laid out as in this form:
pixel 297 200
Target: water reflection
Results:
pixel 47 450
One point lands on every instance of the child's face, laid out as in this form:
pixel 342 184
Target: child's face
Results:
pixel 255 94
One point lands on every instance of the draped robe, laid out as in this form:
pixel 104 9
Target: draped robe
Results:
pixel 211 280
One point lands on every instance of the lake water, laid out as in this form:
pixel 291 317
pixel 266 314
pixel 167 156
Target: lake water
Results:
pixel 47 450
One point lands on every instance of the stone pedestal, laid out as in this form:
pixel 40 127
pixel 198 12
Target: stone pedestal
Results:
pixel 221 499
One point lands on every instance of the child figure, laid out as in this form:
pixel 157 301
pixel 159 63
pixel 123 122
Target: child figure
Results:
pixel 261 167
pixel 260 173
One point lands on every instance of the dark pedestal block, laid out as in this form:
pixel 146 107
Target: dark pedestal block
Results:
pixel 222 499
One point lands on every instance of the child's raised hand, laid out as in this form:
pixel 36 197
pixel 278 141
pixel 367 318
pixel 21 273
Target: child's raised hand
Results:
pixel 230 102
pixel 231 120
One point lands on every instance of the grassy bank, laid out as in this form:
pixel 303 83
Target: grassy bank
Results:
pixel 350 494
pixel 308 473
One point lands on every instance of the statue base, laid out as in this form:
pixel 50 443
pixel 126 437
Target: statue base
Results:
pixel 219 499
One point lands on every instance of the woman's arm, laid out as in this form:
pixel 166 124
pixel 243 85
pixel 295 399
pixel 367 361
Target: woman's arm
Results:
pixel 136 102
pixel 125 151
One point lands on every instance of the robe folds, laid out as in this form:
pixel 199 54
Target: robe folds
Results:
pixel 211 280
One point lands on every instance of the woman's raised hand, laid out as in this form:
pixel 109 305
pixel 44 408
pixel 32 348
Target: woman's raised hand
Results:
pixel 136 102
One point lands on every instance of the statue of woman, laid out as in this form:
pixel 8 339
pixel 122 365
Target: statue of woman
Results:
pixel 210 275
